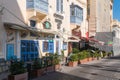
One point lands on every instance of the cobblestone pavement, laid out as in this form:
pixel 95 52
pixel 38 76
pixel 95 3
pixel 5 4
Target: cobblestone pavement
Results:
pixel 105 69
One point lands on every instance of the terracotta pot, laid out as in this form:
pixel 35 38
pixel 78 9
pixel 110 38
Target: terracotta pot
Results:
pixel 94 58
pixel 83 61
pixel 57 67
pixel 73 64
pixel 90 59
pixel 23 76
pixel 38 72
pixel 50 69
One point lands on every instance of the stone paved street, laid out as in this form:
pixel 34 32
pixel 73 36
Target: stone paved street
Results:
pixel 105 69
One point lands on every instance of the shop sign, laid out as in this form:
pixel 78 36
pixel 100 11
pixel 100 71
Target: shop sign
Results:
pixel 50 40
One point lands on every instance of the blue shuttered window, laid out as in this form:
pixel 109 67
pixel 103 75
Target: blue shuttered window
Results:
pixel 29 50
pixel 76 14
pixel 59 6
pixel 48 46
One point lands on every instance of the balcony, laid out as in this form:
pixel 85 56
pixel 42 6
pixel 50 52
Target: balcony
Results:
pixel 76 14
pixel 75 20
pixel 38 7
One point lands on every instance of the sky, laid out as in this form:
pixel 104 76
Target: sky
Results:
pixel 116 10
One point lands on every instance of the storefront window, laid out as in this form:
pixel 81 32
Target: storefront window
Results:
pixel 64 46
pixel 45 46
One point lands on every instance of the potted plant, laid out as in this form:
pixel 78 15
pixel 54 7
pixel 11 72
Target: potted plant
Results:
pixel 73 60
pixel 18 71
pixel 56 61
pixel 109 54
pixel 104 54
pixel 91 56
pixel 49 63
pixel 38 68
pixel 97 55
pixel 75 51
pixel 82 57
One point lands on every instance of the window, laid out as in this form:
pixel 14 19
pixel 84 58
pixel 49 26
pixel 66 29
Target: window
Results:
pixel 59 6
pixel 64 46
pixel 29 50
pixel 76 13
pixel 45 46
pixel 32 23
pixel 72 12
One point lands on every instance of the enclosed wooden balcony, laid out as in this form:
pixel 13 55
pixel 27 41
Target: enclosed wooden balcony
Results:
pixel 37 8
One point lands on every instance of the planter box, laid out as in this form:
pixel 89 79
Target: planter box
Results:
pixel 73 64
pixel 50 69
pixel 37 73
pixel 90 59
pixel 98 58
pixel 23 76
pixel 83 61
pixel 57 67
pixel 94 58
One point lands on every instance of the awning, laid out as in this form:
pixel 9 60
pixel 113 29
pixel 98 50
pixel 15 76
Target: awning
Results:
pixel 73 39
pixel 31 29
pixel 93 39
pixel 69 40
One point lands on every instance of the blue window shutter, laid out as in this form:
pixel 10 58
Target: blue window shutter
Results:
pixel 51 47
pixel 43 47
pixel 57 5
pixel 61 6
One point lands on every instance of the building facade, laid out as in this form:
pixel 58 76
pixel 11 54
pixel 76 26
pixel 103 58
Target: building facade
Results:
pixel 32 28
pixel 78 21
pixel 116 37
pixel 99 16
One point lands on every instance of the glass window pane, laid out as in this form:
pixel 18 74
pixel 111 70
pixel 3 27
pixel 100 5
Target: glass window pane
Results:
pixel 32 23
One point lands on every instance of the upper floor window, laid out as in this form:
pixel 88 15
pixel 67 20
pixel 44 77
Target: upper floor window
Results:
pixel 33 23
pixel 59 6
pixel 76 11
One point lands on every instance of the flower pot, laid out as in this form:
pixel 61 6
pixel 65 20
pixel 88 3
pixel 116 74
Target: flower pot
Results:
pixel 83 61
pixel 37 72
pixel 94 58
pixel 90 59
pixel 23 76
pixel 57 66
pixel 73 64
pixel 50 69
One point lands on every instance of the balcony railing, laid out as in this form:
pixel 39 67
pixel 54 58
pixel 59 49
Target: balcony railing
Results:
pixel 40 5
pixel 76 20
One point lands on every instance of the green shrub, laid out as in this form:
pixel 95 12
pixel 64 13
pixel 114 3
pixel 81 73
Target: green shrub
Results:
pixel 96 54
pixel 85 54
pixel 17 67
pixel 74 57
pixel 75 50
pixel 104 54
pixel 80 56
pixel 109 53
pixel 56 59
pixel 37 64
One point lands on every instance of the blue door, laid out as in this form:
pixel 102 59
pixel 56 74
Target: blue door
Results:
pixel 51 47
pixel 29 50
pixel 10 51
